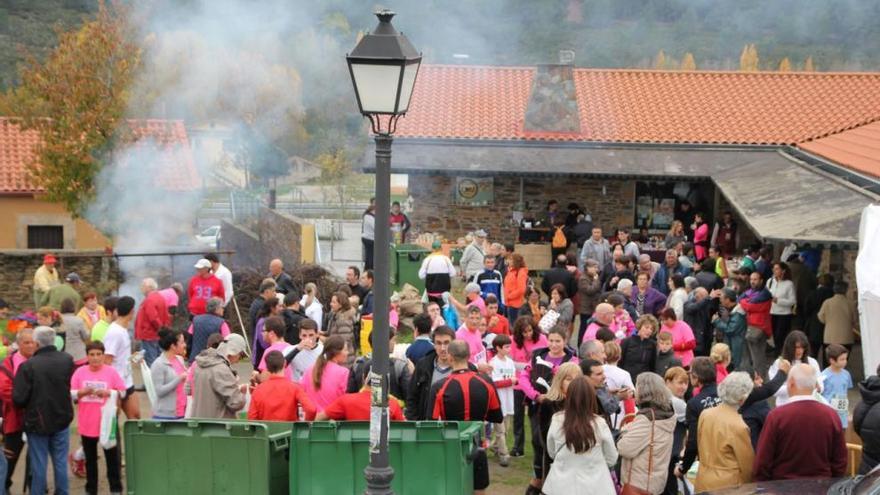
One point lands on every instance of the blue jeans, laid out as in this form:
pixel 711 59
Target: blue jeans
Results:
pixel 40 447
pixel 3 468
pixel 151 350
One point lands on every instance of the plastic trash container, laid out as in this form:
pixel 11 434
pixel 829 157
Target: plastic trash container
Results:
pixel 406 261
pixel 206 457
pixel 428 457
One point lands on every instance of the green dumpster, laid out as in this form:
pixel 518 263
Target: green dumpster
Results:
pixel 406 260
pixel 206 457
pixel 428 457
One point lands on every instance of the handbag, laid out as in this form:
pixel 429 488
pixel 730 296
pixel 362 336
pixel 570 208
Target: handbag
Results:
pixel 629 489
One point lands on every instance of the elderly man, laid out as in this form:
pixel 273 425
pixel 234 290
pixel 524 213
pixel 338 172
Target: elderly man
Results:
pixel 698 314
pixel 603 317
pixel 45 278
pixel 670 267
pixel 67 290
pixel 13 421
pixel 220 271
pixel 282 280
pixel 471 262
pixel 802 439
pixel 203 326
pixel 756 302
pixel 596 248
pixel 42 388
pixel 215 388
pixel 732 325
pixel 592 349
pixel 151 317
pixel 203 286
pixel 647 266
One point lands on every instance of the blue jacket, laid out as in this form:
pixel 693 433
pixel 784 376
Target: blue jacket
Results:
pixel 734 329
pixel 661 278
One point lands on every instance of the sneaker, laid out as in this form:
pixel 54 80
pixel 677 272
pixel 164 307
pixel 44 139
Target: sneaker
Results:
pixel 78 467
pixel 504 461
pixel 516 453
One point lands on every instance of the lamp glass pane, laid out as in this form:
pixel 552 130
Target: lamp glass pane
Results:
pixel 409 82
pixel 376 86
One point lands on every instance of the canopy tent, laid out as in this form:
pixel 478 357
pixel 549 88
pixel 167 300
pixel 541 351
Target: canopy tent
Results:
pixel 868 280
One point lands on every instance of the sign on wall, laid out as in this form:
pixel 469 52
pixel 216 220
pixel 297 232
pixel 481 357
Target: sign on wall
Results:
pixel 474 191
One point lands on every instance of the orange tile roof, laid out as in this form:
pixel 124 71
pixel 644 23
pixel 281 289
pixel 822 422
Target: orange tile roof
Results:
pixel 858 149
pixel 17 152
pixel 646 106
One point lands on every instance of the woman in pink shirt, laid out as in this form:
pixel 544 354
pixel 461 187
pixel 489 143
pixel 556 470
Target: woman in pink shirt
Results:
pixel 683 341
pixel 327 379
pixel 526 339
pixel 91 387
pixel 701 237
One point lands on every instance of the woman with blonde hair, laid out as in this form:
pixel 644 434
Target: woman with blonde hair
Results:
pixel 645 444
pixel 311 306
pixel 546 405
pixel 675 235
pixel 581 445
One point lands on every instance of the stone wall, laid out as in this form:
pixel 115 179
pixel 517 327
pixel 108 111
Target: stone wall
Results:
pixel 434 209
pixel 270 235
pixel 98 270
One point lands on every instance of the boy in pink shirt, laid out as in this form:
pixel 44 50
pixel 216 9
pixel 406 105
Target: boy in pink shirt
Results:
pixel 90 387
pixel 273 333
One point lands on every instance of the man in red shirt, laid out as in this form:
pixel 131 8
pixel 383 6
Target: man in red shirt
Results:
pixel 356 406
pixel 802 439
pixel 203 286
pixel 278 398
pixel 151 317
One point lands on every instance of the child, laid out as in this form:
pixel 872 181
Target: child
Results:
pixel 617 379
pixel 603 334
pixel 504 376
pixel 278 398
pixel 665 355
pixel 638 353
pixel 90 387
pixel 837 380
pixel 720 355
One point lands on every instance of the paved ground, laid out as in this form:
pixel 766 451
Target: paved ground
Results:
pixel 338 255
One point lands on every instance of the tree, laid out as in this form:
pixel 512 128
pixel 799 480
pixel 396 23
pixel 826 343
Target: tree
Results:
pixel 748 59
pixel 808 65
pixel 785 65
pixel 688 62
pixel 336 167
pixel 660 60
pixel 76 99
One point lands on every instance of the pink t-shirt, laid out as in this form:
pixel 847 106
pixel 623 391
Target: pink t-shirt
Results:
pixel 17 359
pixel 280 347
pixel 682 335
pixel 89 407
pixel 474 342
pixel 179 368
pixel 170 297
pixel 334 381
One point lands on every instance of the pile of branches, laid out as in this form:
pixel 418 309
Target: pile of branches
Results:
pixel 246 282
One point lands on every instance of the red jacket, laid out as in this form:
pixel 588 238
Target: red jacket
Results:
pixel 758 315
pixel 13 417
pixel 151 316
pixel 279 399
pixel 200 290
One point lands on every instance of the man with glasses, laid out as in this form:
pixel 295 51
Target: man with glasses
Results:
pixel 432 368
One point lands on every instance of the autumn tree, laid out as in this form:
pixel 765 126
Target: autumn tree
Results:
pixel 748 59
pixel 688 62
pixel 76 98
pixel 336 168
pixel 785 65
pixel 808 65
pixel 660 60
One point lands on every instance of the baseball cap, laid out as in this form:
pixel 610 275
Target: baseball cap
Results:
pixel 203 263
pixel 49 259
pixel 232 345
pixel 72 277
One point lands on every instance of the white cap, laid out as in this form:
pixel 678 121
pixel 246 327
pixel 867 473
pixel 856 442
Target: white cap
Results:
pixel 203 263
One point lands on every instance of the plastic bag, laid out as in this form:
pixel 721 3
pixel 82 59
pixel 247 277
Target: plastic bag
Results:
pixel 548 321
pixel 109 424
pixel 148 384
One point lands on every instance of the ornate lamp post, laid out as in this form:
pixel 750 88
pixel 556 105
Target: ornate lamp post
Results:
pixel 383 68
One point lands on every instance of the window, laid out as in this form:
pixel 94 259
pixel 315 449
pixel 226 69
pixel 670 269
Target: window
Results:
pixel 45 237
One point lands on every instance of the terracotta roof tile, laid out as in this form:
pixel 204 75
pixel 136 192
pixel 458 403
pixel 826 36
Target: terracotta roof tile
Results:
pixel 645 106
pixel 858 148
pixel 17 153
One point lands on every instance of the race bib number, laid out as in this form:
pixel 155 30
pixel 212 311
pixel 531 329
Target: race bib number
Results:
pixel 94 386
pixel 840 405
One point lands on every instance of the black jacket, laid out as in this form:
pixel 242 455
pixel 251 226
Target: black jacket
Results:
pixel 637 355
pixel 559 275
pixel 706 399
pixel 253 311
pixel 42 388
pixel 283 282
pixel 814 328
pixel 755 409
pixel 291 322
pixel 698 315
pixel 418 398
pixel 866 422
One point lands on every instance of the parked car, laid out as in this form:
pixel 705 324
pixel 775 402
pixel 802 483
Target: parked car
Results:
pixel 209 236
pixel 868 484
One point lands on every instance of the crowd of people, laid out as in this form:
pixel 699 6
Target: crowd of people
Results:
pixel 630 373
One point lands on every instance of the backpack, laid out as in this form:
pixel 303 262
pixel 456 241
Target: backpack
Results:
pixel 559 239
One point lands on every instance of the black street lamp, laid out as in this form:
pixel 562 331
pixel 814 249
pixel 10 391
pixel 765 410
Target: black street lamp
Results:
pixel 383 68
